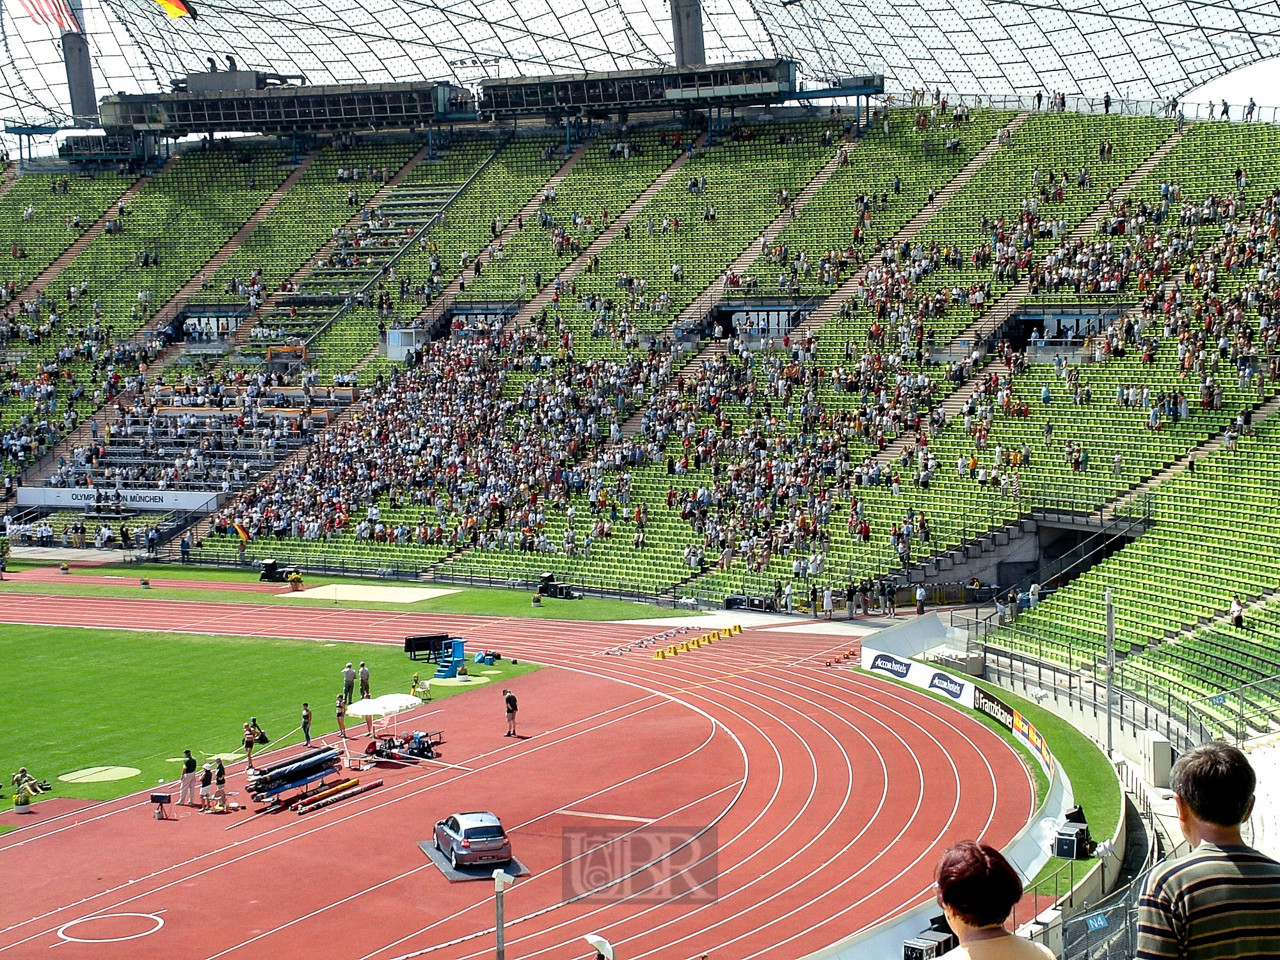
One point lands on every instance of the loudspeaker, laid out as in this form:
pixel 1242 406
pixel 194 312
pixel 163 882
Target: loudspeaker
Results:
pixel 1076 815
pixel 917 949
pixel 939 923
pixel 1072 841
pixel 946 941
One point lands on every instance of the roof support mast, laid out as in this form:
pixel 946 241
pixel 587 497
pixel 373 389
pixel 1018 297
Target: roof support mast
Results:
pixel 686 33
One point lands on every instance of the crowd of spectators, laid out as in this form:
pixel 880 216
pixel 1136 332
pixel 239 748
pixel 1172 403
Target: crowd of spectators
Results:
pixel 469 444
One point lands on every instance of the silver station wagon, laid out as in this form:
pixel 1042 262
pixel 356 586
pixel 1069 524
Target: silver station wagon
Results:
pixel 471 838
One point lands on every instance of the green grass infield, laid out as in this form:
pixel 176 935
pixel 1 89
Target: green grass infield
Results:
pixel 100 698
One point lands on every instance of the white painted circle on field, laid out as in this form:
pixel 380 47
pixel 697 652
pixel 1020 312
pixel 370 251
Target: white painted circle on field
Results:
pixel 470 679
pixel 99 774
pixel 156 920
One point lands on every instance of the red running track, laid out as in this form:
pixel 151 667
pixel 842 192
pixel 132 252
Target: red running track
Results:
pixel 828 795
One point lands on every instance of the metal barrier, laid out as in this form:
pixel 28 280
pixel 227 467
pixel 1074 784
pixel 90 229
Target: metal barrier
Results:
pixel 1164 712
pixel 1250 707
pixel 1107 930
pixel 587 586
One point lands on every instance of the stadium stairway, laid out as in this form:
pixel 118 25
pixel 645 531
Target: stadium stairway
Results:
pixel 830 306
pixel 54 270
pixel 542 298
pixel 1260 414
pixel 271 301
pixel 696 312
pixel 8 178
pixel 1004 308
pixel 201 527
pixel 692 368
pixel 1013 298
pixel 37 472
pixel 193 286
pixel 451 290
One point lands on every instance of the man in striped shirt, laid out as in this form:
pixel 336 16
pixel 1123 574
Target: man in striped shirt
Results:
pixel 1221 900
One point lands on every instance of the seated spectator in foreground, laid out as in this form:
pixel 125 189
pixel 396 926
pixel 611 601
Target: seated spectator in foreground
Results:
pixel 977 890
pixel 1223 898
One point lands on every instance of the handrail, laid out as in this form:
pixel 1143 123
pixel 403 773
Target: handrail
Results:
pixel 1175 717
pixel 343 310
pixel 1109 534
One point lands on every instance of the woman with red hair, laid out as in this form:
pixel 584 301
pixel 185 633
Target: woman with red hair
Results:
pixel 977 890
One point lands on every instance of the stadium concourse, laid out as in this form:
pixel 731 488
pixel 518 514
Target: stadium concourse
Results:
pixel 793 361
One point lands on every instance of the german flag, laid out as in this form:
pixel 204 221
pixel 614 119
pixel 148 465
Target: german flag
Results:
pixel 177 8
pixel 243 533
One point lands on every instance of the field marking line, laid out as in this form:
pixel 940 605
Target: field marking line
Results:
pixel 603 816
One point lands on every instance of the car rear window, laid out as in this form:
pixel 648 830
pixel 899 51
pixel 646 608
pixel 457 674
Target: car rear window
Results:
pixel 484 833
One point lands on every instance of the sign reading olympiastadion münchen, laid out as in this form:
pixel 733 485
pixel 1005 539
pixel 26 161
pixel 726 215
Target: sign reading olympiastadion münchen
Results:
pixel 85 498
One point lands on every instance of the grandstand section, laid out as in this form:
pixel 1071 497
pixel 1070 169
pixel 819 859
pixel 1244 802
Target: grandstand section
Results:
pixel 732 395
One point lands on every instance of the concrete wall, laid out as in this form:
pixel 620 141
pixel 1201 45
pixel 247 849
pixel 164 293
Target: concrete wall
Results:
pixel 1019 545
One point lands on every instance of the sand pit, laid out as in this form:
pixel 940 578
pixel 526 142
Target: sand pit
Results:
pixel 345 591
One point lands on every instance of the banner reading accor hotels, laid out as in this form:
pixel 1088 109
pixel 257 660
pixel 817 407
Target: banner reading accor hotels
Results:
pixel 963 692
pixel 919 675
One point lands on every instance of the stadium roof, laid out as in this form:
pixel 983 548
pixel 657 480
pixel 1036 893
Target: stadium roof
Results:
pixel 1139 49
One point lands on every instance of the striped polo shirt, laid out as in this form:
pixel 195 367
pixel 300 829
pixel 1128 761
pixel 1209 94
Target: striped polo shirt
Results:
pixel 1216 903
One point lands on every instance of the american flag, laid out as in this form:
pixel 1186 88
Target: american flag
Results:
pixel 52 13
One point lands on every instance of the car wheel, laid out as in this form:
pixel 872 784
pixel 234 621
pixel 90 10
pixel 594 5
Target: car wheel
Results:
pixel 436 841
pixel 453 859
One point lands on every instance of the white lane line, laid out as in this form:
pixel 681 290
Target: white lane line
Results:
pixel 513 829
pixel 603 816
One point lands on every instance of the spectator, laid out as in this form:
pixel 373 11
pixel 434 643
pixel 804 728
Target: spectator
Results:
pixel 1223 898
pixel 348 683
pixel 977 890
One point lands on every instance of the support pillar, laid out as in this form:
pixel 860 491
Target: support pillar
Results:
pixel 686 33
